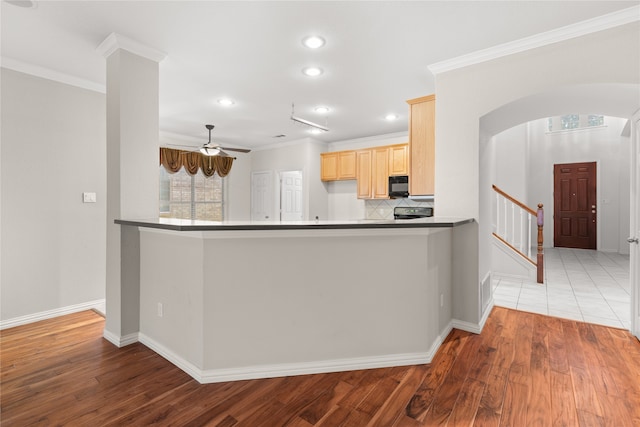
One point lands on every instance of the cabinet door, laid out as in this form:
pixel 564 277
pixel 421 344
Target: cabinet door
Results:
pixel 399 159
pixel 328 166
pixel 347 165
pixel 363 171
pixel 422 145
pixel 380 173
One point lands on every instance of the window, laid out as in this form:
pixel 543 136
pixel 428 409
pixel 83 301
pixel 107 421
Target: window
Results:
pixel 570 121
pixel 191 197
pixel 574 121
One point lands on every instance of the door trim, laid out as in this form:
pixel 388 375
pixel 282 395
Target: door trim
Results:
pixel 634 226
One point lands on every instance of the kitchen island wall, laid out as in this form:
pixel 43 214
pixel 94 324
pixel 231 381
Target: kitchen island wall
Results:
pixel 232 301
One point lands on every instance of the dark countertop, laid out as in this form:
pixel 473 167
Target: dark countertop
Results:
pixel 194 225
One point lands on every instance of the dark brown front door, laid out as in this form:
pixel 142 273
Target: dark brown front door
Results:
pixel 574 198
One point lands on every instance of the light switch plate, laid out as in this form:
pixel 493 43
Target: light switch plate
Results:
pixel 88 197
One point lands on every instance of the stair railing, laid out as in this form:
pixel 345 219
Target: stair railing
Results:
pixel 514 227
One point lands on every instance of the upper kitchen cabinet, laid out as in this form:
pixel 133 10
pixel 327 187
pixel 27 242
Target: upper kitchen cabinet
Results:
pixel 422 113
pixel 399 159
pixel 363 168
pixel 373 173
pixel 338 165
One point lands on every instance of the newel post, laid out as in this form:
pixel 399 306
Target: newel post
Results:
pixel 540 260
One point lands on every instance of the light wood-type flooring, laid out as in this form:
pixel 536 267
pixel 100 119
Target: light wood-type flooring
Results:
pixel 523 370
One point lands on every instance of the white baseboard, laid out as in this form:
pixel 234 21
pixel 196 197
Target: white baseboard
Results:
pixel 97 305
pixel 119 341
pixel 206 376
pixel 473 327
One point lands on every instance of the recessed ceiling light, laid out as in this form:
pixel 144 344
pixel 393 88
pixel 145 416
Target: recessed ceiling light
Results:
pixel 226 102
pixel 321 110
pixel 312 71
pixel 391 117
pixel 313 42
pixel 315 131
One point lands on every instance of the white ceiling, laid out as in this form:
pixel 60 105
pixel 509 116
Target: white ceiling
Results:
pixel 375 58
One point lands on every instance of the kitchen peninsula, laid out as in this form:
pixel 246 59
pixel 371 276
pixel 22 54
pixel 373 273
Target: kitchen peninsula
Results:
pixel 239 300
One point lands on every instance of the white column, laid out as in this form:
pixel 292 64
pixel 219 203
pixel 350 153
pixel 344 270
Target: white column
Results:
pixel 132 174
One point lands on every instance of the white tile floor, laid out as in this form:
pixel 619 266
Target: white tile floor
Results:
pixel 580 284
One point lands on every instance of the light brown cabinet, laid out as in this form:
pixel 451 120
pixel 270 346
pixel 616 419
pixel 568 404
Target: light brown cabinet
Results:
pixel 371 167
pixel 363 167
pixel 399 159
pixel 338 165
pixel 422 145
pixel 328 166
pixel 373 173
pixel 347 165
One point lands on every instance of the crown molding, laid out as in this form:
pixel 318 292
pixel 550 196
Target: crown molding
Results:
pixel 589 26
pixel 180 137
pixel 366 141
pixel 116 41
pixel 49 74
pixel 284 144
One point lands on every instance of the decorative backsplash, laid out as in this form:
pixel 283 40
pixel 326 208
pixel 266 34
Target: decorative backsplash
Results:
pixel 383 209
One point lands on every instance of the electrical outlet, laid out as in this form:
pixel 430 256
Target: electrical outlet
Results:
pixel 160 310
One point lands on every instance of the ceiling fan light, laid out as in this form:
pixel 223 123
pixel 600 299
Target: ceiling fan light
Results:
pixel 210 151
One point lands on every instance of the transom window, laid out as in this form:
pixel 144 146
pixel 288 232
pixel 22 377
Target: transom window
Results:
pixel 191 197
pixel 574 121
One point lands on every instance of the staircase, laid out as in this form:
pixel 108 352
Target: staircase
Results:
pixel 517 226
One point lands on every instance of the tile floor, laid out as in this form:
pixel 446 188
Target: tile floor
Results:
pixel 580 284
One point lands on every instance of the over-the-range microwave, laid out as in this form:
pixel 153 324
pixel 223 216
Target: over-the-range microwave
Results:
pixel 398 186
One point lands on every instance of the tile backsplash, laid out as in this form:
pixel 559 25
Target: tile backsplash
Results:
pixel 383 209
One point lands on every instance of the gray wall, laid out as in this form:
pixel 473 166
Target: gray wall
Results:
pixel 303 155
pixel 53 150
pixel 465 95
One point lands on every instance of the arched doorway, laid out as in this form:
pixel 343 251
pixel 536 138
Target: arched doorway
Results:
pixel 619 100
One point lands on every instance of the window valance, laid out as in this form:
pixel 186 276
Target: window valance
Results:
pixel 173 160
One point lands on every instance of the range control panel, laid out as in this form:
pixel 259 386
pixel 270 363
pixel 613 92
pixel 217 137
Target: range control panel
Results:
pixel 405 212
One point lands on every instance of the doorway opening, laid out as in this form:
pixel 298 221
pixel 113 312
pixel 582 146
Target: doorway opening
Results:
pixel 560 171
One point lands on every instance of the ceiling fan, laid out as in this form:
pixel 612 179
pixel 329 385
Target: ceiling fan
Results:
pixel 212 149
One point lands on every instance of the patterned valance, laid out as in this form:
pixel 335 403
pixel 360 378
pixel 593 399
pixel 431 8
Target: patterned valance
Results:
pixel 173 160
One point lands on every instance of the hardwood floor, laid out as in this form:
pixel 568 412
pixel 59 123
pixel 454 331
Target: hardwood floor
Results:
pixel 524 369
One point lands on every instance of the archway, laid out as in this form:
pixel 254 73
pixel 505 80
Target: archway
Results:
pixel 618 100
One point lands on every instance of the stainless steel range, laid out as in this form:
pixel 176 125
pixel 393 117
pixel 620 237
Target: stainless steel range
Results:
pixel 405 212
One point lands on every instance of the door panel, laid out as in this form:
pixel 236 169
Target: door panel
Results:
pixel 575 205
pixel 261 196
pixel 291 196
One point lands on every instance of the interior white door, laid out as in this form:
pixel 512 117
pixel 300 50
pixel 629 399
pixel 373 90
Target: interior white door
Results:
pixel 262 196
pixel 291 196
pixel 634 229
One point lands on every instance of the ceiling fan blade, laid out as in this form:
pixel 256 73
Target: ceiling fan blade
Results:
pixel 239 150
